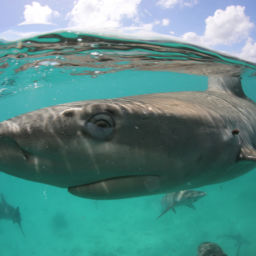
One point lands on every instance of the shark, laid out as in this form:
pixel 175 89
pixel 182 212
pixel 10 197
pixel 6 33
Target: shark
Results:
pixel 238 239
pixel 9 212
pixel 210 249
pixel 136 145
pixel 179 198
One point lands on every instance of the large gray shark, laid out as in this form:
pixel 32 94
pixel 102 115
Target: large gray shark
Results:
pixel 138 145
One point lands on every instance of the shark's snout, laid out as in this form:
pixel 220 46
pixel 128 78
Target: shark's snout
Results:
pixel 14 158
pixel 9 144
pixel 9 128
pixel 201 194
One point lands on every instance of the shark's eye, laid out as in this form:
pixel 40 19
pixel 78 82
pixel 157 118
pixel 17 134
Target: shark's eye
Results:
pixel 102 123
pixel 100 126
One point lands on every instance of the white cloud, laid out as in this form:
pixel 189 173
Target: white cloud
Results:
pixel 38 14
pixel 11 35
pixel 173 3
pixel 167 3
pixel 225 27
pixel 249 51
pixel 165 22
pixel 100 14
pixel 228 26
pixel 190 3
pixel 193 38
pixel 147 28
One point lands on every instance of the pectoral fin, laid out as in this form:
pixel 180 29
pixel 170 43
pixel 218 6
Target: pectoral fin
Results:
pixel 166 210
pixel 248 153
pixel 173 209
pixel 117 188
pixel 191 206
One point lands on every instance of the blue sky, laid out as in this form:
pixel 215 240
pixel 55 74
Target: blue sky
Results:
pixel 225 25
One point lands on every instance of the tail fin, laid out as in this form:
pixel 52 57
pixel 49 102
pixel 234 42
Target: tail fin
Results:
pixel 21 229
pixel 18 220
pixel 166 210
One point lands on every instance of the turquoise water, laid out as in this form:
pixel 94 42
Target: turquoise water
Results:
pixel 64 67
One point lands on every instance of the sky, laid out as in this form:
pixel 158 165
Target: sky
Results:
pixel 223 25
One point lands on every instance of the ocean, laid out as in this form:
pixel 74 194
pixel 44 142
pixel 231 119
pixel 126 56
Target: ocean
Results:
pixel 66 66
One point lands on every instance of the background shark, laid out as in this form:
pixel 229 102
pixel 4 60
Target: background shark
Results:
pixel 210 249
pixel 9 212
pixel 138 145
pixel 183 197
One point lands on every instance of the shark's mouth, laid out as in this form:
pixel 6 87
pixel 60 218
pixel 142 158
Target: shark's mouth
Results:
pixel 118 187
pixel 11 143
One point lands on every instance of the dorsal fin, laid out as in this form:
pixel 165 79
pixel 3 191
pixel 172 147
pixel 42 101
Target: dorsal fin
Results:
pixel 228 84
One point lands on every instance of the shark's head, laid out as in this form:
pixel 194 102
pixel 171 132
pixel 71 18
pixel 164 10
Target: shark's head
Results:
pixel 187 197
pixel 193 195
pixel 99 149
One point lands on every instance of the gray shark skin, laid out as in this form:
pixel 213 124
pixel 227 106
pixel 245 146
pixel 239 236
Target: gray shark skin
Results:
pixel 134 146
pixel 9 212
pixel 179 198
pixel 210 249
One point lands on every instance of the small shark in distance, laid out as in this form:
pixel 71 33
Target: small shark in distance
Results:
pixel 238 239
pixel 210 249
pixel 9 212
pixel 183 197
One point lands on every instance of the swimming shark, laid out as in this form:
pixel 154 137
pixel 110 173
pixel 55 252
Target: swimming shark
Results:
pixel 238 239
pixel 9 212
pixel 179 198
pixel 137 145
pixel 210 249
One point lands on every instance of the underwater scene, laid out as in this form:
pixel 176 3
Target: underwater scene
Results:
pixel 64 67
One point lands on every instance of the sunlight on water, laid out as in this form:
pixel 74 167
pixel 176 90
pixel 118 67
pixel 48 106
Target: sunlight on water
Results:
pixel 64 67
